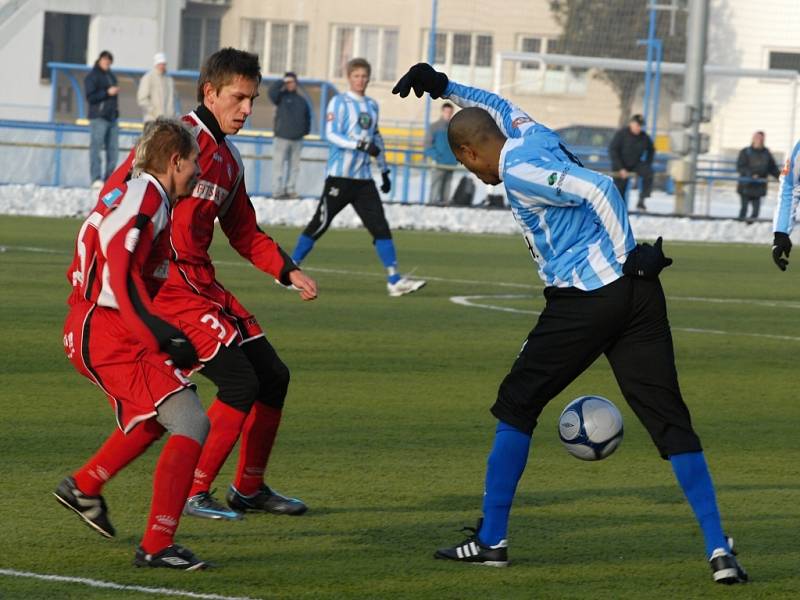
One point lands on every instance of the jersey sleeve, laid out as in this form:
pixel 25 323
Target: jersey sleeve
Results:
pixel 240 226
pixel 512 120
pixel 788 193
pixel 335 126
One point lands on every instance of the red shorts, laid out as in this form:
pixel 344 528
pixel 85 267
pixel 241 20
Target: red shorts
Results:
pixel 135 379
pixel 197 304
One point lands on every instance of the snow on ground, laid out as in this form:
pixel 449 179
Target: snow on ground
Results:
pixel 74 202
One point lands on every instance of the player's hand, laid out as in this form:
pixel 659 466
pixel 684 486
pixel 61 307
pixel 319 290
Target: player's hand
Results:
pixel 781 247
pixel 386 186
pixel 646 261
pixel 368 147
pixel 180 350
pixel 306 285
pixel 422 78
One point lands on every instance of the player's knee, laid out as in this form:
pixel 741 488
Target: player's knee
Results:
pixel 380 231
pixel 274 388
pixel 239 392
pixel 183 414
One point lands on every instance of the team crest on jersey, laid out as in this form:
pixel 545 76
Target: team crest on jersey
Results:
pixel 216 157
pixel 552 179
pixel 112 196
pixel 364 120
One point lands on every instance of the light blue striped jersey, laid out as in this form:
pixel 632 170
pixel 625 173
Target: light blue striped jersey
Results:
pixel 574 220
pixel 788 193
pixel 350 119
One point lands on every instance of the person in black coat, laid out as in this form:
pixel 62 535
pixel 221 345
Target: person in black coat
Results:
pixel 101 92
pixel 631 151
pixel 292 122
pixel 755 164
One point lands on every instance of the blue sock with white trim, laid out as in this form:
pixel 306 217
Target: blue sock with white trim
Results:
pixel 302 248
pixel 506 463
pixel 388 256
pixel 692 474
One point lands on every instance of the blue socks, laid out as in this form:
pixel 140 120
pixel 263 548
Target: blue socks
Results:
pixel 692 473
pixel 505 466
pixel 302 248
pixel 388 256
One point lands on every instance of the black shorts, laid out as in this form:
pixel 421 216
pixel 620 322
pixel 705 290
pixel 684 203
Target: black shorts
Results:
pixel 362 194
pixel 625 320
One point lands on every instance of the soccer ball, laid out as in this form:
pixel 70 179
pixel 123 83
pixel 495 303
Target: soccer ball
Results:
pixel 590 427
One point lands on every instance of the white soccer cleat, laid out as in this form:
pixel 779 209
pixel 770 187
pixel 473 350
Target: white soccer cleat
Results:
pixel 405 286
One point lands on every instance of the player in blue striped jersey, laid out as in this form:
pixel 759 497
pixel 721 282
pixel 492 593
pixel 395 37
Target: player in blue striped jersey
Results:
pixel 354 139
pixel 788 197
pixel 602 296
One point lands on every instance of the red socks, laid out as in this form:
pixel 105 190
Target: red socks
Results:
pixel 171 485
pixel 258 436
pixel 118 451
pixel 226 424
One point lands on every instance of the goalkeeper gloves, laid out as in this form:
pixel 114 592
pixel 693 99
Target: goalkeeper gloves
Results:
pixel 646 261
pixel 174 342
pixel 781 247
pixel 386 187
pixel 368 147
pixel 422 78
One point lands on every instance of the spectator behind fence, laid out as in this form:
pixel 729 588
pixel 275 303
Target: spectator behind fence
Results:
pixel 754 163
pixel 631 151
pixel 292 122
pixel 156 93
pixel 101 93
pixel 438 149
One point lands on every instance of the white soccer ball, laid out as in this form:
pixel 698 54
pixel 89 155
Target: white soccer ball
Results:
pixel 590 427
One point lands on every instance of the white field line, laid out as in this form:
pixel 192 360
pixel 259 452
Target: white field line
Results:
pixel 470 302
pixel 97 583
pixel 526 286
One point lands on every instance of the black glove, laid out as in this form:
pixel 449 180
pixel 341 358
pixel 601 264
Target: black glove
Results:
pixel 368 147
pixel 781 246
pixel 423 78
pixel 180 349
pixel 646 261
pixel 386 187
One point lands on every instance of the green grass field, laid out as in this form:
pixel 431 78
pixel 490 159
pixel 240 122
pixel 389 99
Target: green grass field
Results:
pixel 387 429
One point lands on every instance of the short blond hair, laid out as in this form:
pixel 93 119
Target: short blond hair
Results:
pixel 160 140
pixel 358 63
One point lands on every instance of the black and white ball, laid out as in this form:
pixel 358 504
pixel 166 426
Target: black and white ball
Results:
pixel 590 427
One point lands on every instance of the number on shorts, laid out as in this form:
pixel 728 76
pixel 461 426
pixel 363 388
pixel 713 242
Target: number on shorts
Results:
pixel 214 324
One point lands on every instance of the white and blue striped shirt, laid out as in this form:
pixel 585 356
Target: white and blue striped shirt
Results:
pixel 574 220
pixel 351 119
pixel 788 193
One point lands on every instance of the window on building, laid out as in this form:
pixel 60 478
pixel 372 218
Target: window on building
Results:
pixel 784 60
pixel 376 44
pixel 65 40
pixel 531 78
pixel 253 36
pixel 465 55
pixel 199 39
pixel 281 47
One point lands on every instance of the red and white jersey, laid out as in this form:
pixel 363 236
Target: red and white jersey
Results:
pixel 219 194
pixel 120 254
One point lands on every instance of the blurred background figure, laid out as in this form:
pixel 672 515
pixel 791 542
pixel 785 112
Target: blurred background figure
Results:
pixel 101 93
pixel 156 93
pixel 438 149
pixel 292 122
pixel 755 162
pixel 631 151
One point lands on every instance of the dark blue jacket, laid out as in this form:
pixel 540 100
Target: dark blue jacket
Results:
pixel 292 115
pixel 437 147
pixel 101 105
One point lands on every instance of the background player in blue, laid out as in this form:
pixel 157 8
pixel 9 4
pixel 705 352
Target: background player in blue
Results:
pixel 602 296
pixel 352 132
pixel 788 197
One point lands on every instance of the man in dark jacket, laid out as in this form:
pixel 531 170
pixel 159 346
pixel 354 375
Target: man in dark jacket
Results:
pixel 755 164
pixel 438 148
pixel 631 151
pixel 292 122
pixel 101 92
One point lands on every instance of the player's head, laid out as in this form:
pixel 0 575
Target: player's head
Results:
pixel 228 86
pixel 168 151
pixel 447 111
pixel 476 141
pixel 358 74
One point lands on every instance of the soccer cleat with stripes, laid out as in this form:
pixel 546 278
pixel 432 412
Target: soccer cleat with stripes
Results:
pixel 265 500
pixel 171 557
pixel 474 552
pixel 205 506
pixel 404 286
pixel 92 509
pixel 725 568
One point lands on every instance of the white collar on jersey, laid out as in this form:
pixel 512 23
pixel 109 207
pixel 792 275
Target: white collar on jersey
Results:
pixel 159 187
pixel 356 97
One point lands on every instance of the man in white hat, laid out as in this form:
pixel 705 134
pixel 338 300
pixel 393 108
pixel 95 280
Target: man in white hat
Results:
pixel 156 94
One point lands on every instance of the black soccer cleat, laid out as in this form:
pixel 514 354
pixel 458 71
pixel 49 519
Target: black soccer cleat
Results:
pixel 474 552
pixel 265 500
pixel 92 509
pixel 171 557
pixel 725 568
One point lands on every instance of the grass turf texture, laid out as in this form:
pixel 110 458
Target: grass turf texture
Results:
pixel 386 433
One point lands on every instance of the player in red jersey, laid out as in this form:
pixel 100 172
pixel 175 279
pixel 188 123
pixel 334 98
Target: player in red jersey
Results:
pixel 116 338
pixel 234 354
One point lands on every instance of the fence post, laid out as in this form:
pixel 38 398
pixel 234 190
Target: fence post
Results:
pixel 406 175
pixel 57 157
